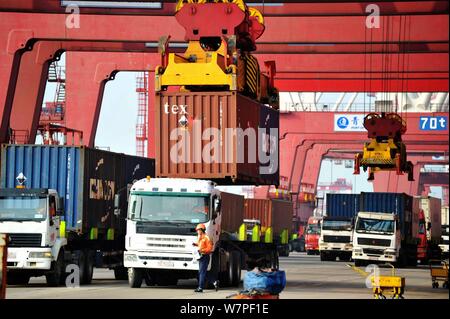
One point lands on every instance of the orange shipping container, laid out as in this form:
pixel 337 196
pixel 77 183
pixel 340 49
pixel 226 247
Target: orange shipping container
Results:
pixel 196 138
pixel 273 213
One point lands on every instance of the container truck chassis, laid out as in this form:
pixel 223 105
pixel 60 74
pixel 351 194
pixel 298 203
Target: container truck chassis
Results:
pixel 227 261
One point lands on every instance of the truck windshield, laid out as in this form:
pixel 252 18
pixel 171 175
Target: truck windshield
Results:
pixel 336 225
pixel 368 225
pixel 313 229
pixel 170 209
pixel 23 208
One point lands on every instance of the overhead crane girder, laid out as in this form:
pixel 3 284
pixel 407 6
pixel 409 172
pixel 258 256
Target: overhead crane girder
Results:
pixel 32 78
pixel 85 87
pixel 299 8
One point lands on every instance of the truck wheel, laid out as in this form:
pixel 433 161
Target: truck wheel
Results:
pixel 135 277
pixel 231 270
pixel 359 263
pixel 323 257
pixel 56 276
pixel 121 273
pixel 17 279
pixel 236 278
pixel 79 258
pixel 89 268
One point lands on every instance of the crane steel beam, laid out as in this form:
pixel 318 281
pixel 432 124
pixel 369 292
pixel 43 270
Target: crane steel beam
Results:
pixel 299 8
pixel 358 85
pixel 29 90
pixel 361 48
pixel 360 63
pixel 18 31
pixel 85 86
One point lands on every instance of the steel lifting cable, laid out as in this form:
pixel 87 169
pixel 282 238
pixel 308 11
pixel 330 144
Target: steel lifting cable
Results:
pixel 407 63
pixel 398 61
pixel 391 40
pixel 383 56
pixel 365 74
pixel 370 66
pixel 404 59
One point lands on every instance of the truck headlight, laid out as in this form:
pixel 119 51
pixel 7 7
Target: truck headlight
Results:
pixel 357 250
pixel 389 252
pixel 12 255
pixel 131 258
pixel 40 254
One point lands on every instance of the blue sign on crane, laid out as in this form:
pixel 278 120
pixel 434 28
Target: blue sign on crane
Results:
pixel 433 123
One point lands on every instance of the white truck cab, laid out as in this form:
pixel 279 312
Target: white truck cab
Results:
pixel 31 218
pixel 336 238
pixel 376 238
pixel 162 216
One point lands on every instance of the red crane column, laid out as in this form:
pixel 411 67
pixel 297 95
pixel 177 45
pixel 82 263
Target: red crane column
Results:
pixel 30 89
pixel 18 30
pixel 86 76
pixel 32 78
pixel 151 116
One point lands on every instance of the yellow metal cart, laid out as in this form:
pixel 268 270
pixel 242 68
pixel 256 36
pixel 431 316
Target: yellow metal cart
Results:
pixel 439 272
pixel 384 285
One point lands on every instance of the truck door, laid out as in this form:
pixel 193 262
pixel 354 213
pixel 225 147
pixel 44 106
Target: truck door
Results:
pixel 214 228
pixel 53 219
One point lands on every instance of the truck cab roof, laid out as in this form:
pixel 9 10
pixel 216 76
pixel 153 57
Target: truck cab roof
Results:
pixel 337 218
pixel 173 185
pixel 375 215
pixel 26 192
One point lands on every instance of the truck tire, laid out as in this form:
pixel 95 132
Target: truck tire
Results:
pixel 79 258
pixel 135 277
pixel 231 270
pixel 121 273
pixel 57 274
pixel 402 261
pixel 89 268
pixel 17 279
pixel 359 263
pixel 236 278
pixel 345 257
pixel 323 256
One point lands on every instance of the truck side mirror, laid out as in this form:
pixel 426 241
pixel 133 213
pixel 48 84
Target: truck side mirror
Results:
pixel 60 210
pixel 116 201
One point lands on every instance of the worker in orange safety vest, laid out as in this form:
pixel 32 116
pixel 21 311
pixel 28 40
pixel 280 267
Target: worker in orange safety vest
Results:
pixel 205 248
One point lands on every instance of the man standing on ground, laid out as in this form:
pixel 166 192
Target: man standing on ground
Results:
pixel 205 247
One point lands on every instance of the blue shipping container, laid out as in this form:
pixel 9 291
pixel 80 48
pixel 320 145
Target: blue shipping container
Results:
pixel 343 205
pixel 86 178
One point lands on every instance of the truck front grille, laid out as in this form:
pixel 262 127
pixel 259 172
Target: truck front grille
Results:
pixel 336 239
pixel 165 258
pixel 25 240
pixel 374 242
pixel 370 251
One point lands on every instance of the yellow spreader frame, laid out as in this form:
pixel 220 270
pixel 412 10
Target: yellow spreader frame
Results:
pixel 383 285
pixel 197 67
